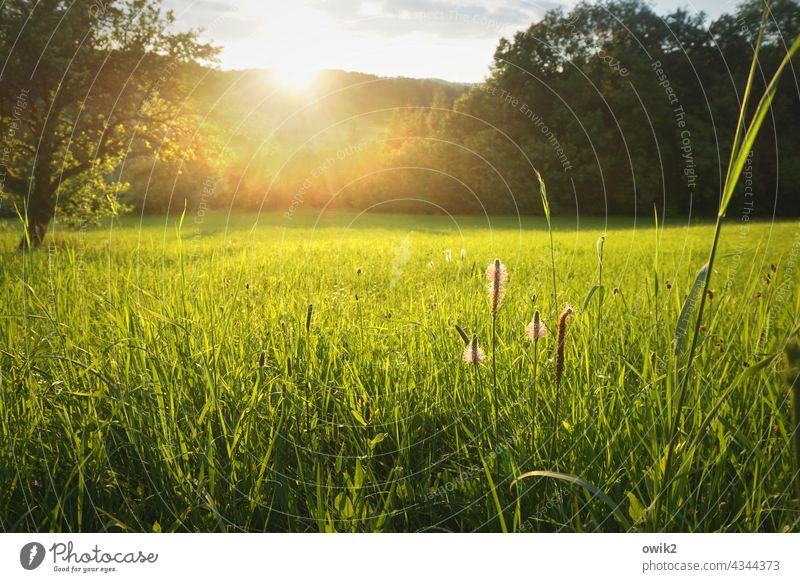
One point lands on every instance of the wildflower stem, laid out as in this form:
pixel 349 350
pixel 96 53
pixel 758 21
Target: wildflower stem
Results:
pixel 555 429
pixel 534 403
pixel 553 269
pixel 601 292
pixel 494 370
pixel 561 340
pixel 535 365
pixel 479 391
pixel 307 366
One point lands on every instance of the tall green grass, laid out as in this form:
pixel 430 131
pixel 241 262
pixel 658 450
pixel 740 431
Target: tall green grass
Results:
pixel 744 137
pixel 131 396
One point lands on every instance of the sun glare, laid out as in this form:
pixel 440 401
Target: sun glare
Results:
pixel 296 76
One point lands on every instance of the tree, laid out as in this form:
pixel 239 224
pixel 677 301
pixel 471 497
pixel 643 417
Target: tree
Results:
pixel 641 105
pixel 85 85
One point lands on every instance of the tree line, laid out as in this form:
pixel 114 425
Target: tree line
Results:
pixel 620 109
pixel 104 108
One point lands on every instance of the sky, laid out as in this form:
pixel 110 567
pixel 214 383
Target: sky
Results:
pixel 445 39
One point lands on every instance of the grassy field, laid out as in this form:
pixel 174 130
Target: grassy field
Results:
pixel 132 396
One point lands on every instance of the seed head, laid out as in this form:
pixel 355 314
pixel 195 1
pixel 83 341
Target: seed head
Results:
pixel 448 255
pixel 463 254
pixel 463 335
pixel 472 353
pixel 261 359
pixel 309 313
pixel 561 341
pixel 535 330
pixel 497 276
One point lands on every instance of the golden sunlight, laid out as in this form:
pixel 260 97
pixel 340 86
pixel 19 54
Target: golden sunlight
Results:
pixel 295 76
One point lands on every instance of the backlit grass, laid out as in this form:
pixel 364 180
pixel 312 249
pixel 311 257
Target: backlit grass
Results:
pixel 131 396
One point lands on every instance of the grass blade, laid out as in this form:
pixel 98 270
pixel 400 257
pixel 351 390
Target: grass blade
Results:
pixel 682 327
pixel 614 507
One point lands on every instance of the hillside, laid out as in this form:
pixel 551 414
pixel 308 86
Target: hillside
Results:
pixel 261 136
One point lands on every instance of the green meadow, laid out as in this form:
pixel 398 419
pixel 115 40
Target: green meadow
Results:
pixel 170 375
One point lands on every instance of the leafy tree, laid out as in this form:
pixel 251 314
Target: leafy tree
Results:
pixel 635 138
pixel 84 86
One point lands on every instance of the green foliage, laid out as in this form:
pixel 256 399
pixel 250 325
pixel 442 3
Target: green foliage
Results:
pixel 620 109
pixel 108 87
pixel 91 196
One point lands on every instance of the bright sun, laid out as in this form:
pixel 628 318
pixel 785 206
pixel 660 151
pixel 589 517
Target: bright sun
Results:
pixel 296 76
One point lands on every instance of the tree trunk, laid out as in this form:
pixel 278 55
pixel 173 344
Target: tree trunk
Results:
pixel 37 228
pixel 40 211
